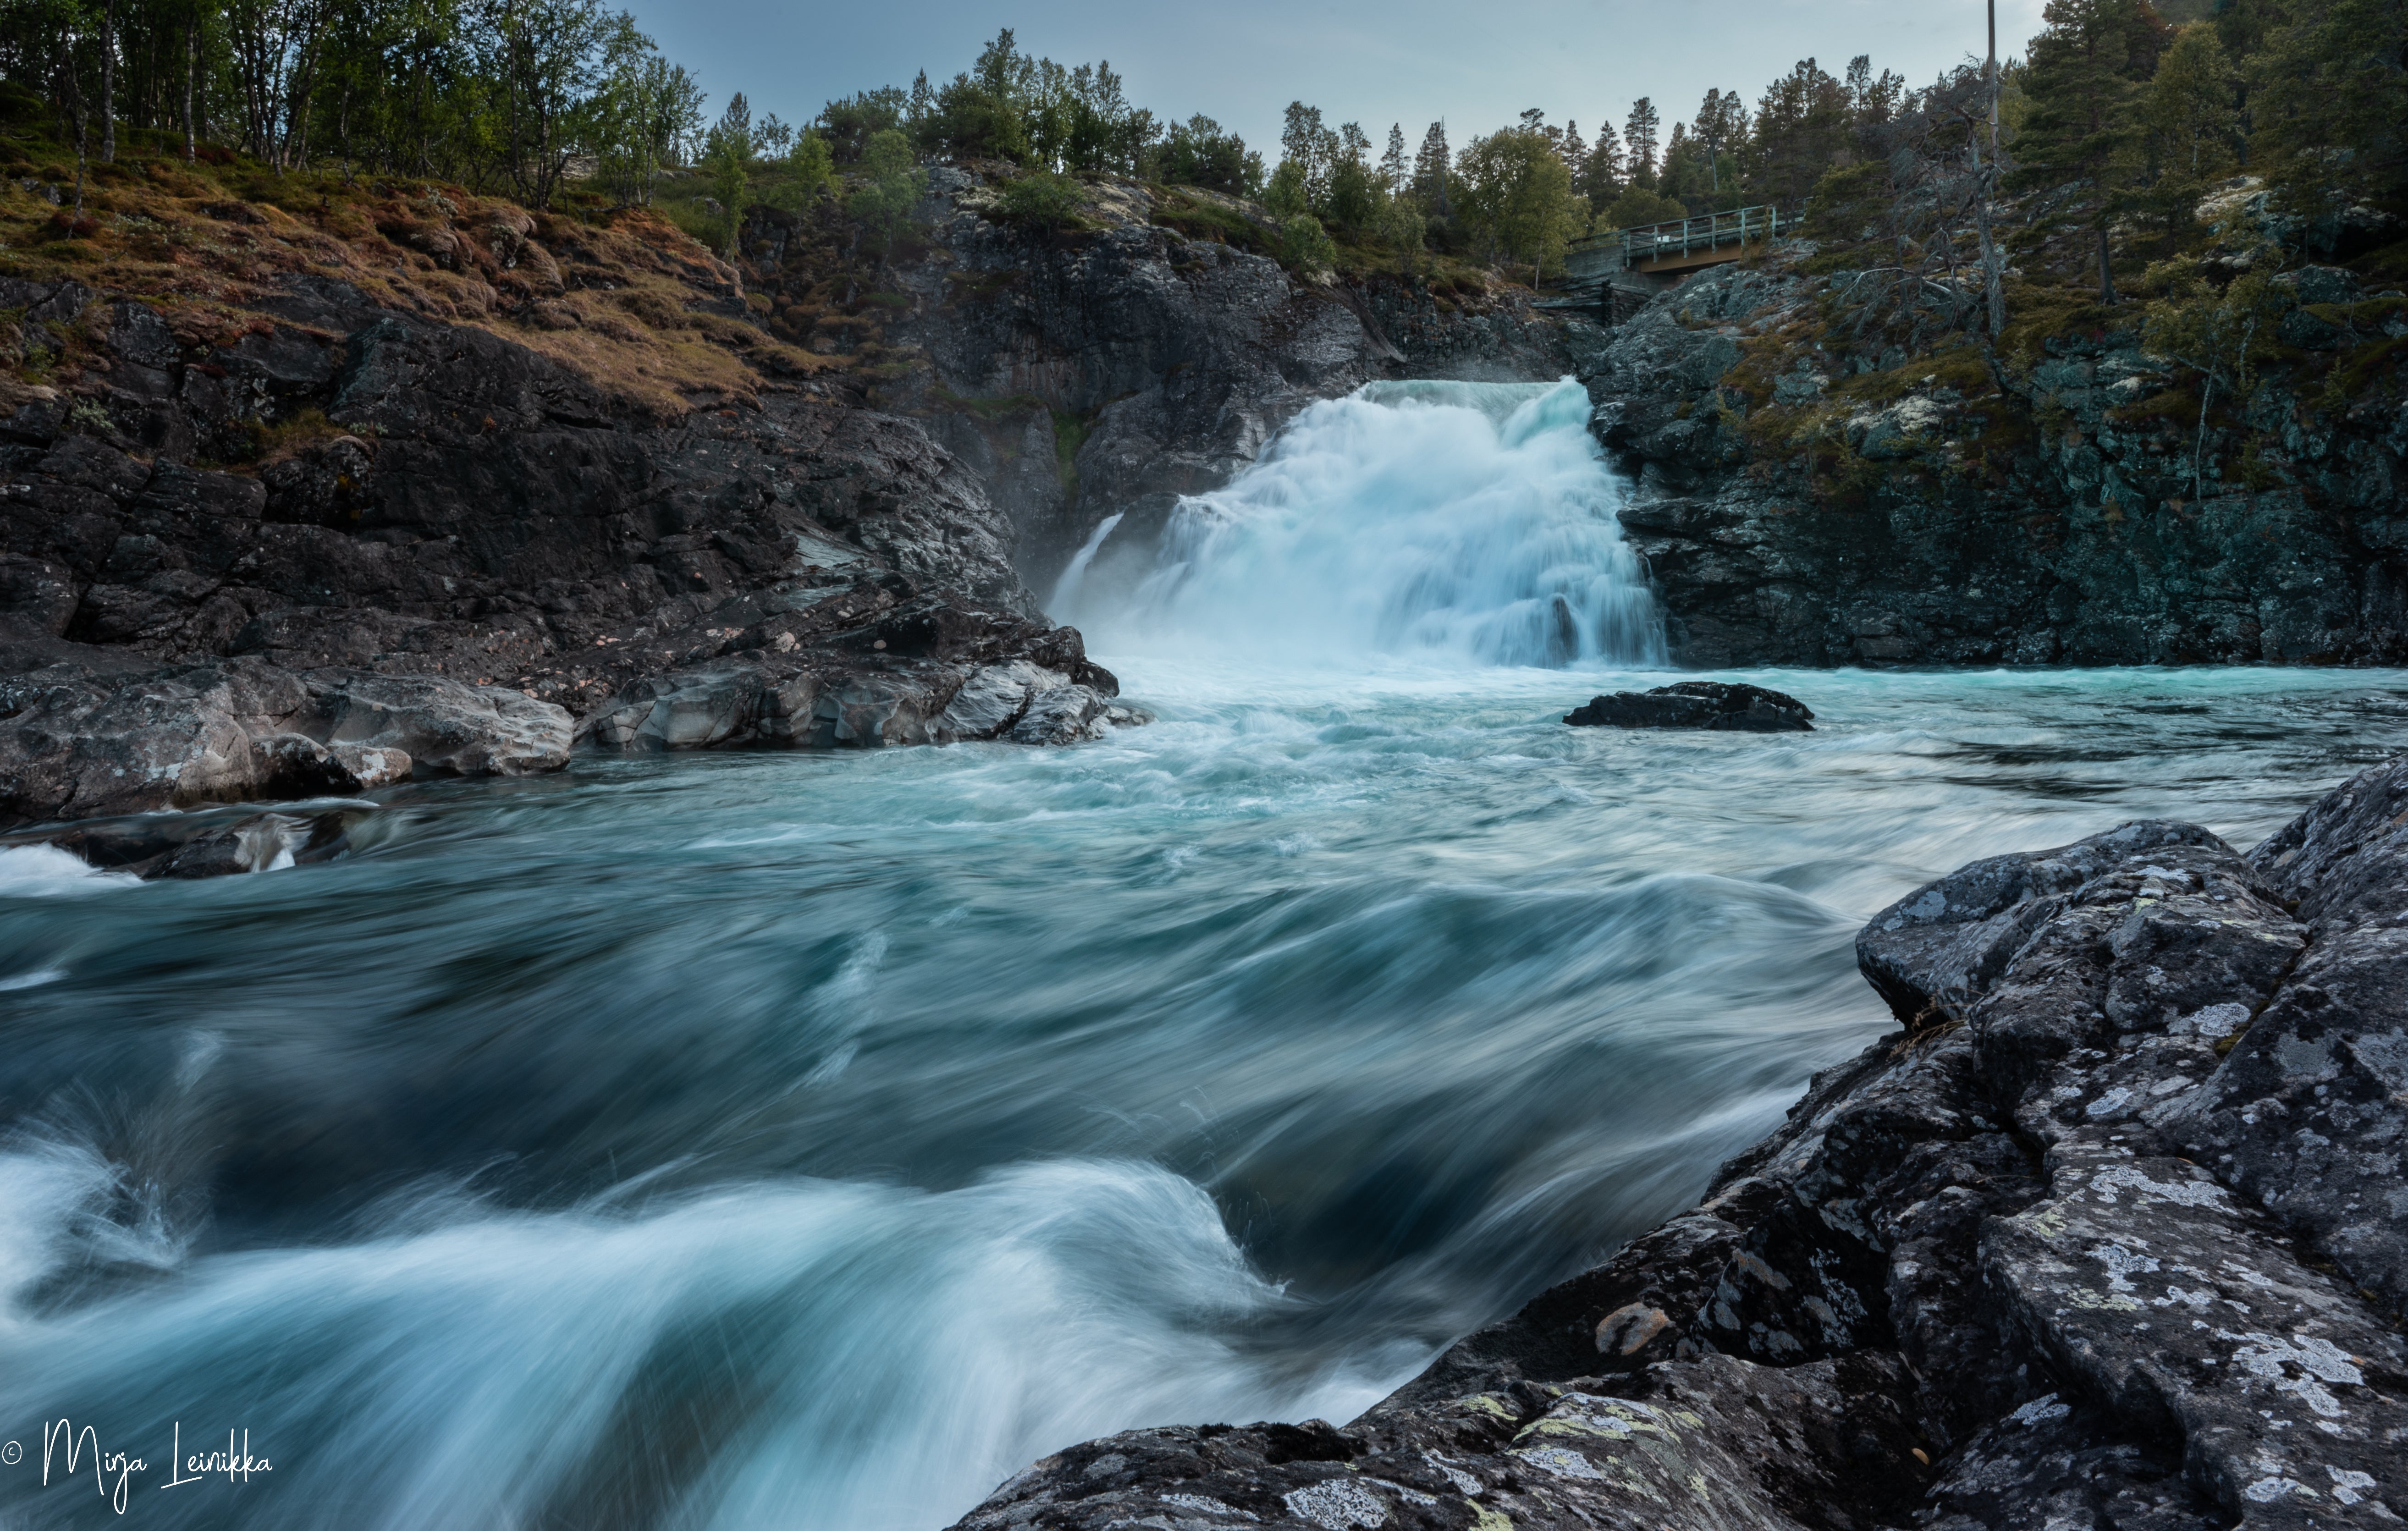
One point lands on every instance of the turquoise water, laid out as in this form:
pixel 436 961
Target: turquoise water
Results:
pixel 793 1141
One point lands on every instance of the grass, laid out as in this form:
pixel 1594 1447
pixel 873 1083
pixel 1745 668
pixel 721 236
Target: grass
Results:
pixel 192 239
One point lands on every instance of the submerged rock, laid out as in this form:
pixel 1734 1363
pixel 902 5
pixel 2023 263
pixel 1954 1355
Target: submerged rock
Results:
pixel 2109 1235
pixel 1697 704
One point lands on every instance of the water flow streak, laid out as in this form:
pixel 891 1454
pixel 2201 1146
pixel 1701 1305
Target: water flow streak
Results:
pixel 1471 521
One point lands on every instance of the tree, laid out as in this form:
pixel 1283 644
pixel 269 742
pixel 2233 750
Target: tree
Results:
pixel 1395 169
pixel 2191 119
pixel 2219 334
pixel 1200 152
pixel 1873 99
pixel 810 168
pixel 891 183
pixel 1600 177
pixel 1802 130
pixel 1432 167
pixel 1311 147
pixel 2084 77
pixel 1637 207
pixel 2330 101
pixel 1639 143
pixel 731 184
pixel 1721 122
pixel 646 108
pixel 1518 191
pixel 544 57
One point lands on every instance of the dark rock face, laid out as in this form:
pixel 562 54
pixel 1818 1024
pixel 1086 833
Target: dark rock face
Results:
pixel 1149 365
pixel 478 543
pixel 1697 704
pixel 2107 1237
pixel 1800 502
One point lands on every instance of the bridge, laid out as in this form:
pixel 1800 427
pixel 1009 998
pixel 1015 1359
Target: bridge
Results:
pixel 1620 270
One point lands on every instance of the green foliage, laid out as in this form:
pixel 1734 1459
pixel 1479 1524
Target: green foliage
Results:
pixel 810 170
pixel 1284 197
pixel 731 186
pixel 2222 334
pixel 1042 199
pixel 1306 246
pixel 1637 207
pixel 891 185
pixel 1197 152
pixel 1519 192
pixel 2190 122
pixel 850 122
pixel 2330 94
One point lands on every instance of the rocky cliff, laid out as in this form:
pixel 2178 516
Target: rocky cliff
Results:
pixel 2108 1234
pixel 1829 474
pixel 1145 349
pixel 590 487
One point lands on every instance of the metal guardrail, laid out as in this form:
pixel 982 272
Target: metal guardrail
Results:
pixel 1626 248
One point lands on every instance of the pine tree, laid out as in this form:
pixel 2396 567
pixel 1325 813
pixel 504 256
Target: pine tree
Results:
pixel 1722 123
pixel 1639 143
pixel 1393 168
pixel 2081 123
pixel 1574 149
pixel 1602 178
pixel 1432 169
pixel 2329 100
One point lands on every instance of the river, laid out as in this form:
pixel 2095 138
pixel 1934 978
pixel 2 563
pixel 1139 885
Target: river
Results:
pixel 776 1140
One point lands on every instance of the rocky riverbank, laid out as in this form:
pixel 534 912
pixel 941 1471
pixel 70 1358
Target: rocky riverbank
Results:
pixel 2108 1234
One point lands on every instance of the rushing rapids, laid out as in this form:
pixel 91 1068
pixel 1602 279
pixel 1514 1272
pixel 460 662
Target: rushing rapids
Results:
pixel 1466 521
pixel 804 1140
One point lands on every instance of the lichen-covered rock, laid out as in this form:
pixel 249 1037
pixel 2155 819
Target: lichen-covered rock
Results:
pixel 2108 1238
pixel 1811 490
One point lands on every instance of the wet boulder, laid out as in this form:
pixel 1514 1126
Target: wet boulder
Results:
pixel 1717 705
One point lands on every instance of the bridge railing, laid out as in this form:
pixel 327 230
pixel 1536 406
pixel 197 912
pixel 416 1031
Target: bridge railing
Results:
pixel 1626 248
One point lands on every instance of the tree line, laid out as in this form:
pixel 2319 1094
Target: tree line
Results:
pixel 514 96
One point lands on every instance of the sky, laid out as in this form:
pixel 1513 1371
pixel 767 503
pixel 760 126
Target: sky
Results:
pixel 1475 63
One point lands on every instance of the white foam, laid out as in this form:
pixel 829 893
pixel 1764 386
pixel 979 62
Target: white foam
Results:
pixel 1457 521
pixel 46 871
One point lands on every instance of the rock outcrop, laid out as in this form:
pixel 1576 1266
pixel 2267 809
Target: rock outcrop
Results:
pixel 1713 705
pixel 1810 491
pixel 1148 352
pixel 462 550
pixel 2108 1235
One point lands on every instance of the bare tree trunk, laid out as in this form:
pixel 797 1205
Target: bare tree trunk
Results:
pixel 2106 277
pixel 108 83
pixel 192 72
pixel 1993 263
pixel 75 104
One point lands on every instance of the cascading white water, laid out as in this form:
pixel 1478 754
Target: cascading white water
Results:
pixel 1471 521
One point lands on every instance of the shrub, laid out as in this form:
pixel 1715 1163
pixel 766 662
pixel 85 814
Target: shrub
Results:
pixel 1305 245
pixel 1042 199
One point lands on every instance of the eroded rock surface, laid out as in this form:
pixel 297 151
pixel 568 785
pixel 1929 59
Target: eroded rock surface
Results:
pixel 2108 1236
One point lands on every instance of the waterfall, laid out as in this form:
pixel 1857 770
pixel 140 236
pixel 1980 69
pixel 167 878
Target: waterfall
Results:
pixel 1446 520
